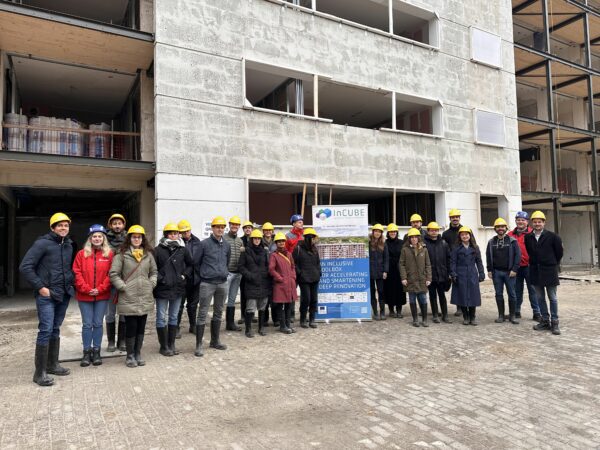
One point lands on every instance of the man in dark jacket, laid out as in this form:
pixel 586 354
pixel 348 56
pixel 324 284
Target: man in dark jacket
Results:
pixel 450 235
pixel 503 257
pixel 545 251
pixel 115 235
pixel 439 256
pixel 214 257
pixel 308 275
pixel 47 268
pixel 234 278
pixel 192 282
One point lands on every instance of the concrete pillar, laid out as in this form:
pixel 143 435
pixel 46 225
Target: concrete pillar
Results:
pixel 11 239
pixel 147 117
pixel 147 16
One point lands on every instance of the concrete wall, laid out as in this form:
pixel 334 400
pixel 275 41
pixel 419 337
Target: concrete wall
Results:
pixel 200 45
pixel 147 16
pixel 147 117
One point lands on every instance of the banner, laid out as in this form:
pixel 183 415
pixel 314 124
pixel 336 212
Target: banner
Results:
pixel 344 292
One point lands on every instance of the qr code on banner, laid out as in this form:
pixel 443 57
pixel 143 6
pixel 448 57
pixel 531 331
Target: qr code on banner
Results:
pixel 322 309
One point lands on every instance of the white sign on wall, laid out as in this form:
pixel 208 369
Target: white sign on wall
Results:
pixel 341 220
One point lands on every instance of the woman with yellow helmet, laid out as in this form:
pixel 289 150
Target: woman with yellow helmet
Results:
pixel 308 274
pixel 395 294
pixel 376 270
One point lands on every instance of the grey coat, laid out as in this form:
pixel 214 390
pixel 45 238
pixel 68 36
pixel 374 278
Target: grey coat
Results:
pixel 135 295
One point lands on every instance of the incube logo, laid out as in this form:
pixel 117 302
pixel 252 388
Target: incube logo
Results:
pixel 323 214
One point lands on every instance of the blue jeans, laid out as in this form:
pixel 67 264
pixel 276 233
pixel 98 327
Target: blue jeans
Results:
pixel 540 292
pixel 161 312
pixel 420 296
pixel 50 316
pixel 112 309
pixel 501 279
pixel 233 281
pixel 92 315
pixel 522 278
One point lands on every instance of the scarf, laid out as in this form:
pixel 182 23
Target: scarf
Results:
pixel 171 244
pixel 138 253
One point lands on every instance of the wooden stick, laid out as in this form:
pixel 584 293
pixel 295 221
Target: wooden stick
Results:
pixel 394 207
pixel 303 200
pixel 316 194
pixel 330 195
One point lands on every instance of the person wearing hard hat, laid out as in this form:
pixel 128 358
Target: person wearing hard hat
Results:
pixel 234 277
pixel 47 268
pixel 439 256
pixel 215 254
pixel 377 274
pixel 174 265
pixel 308 275
pixel 134 274
pixel 247 228
pixel 416 222
pixel 116 235
pixel 270 246
pixel 283 272
pixel 415 272
pixel 450 235
pixel 466 271
pixel 254 267
pixel 519 232
pixel 503 256
pixel 192 282
pixel 545 250
pixel 92 291
pixel 295 235
pixel 395 295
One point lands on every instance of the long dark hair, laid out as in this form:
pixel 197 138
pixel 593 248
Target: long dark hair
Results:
pixel 376 244
pixel 472 241
pixel 127 243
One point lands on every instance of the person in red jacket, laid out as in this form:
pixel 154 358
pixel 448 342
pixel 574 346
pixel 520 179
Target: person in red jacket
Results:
pixel 92 290
pixel 295 235
pixel 283 271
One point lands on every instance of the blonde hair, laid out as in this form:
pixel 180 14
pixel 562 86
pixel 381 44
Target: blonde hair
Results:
pixel 87 248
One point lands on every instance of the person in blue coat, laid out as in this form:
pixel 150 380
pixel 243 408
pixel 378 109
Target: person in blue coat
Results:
pixel 377 265
pixel 466 271
pixel 47 268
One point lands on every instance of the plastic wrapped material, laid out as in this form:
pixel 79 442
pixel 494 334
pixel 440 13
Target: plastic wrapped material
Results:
pixel 99 144
pixel 15 138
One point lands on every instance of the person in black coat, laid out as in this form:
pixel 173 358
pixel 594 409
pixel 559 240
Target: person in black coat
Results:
pixel 47 268
pixel 439 256
pixel 376 270
pixel 174 265
pixel 545 251
pixel 254 267
pixel 308 275
pixel 450 235
pixel 192 283
pixel 395 294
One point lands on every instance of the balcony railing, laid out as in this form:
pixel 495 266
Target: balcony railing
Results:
pixel 71 141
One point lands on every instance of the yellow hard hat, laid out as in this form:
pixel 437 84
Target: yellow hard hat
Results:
pixel 538 215
pixel 310 232
pixel 235 220
pixel 116 216
pixel 171 226
pixel 413 232
pixel 248 223
pixel 219 221
pixel 416 218
pixel 184 225
pixel 392 227
pixel 378 226
pixel 279 237
pixel 267 226
pixel 464 230
pixel 500 222
pixel 136 229
pixel 256 234
pixel 59 217
pixel 454 212
pixel 433 226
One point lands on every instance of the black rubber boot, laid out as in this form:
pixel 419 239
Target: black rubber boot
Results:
pixel 472 317
pixel 382 311
pixel 413 312
pixel 292 315
pixel 130 348
pixel 434 312
pixel 276 314
pixel 53 366
pixel 512 317
pixel 199 336
pixel 248 322
pixel 215 328
pixel 537 317
pixel 40 376
pixel 311 320
pixel 266 311
pixel 230 324
pixel 192 314
pixel 423 307
pixel 554 327
pixel 288 317
pixel 465 313
pixel 284 314
pixel 171 336
pixel 543 325
pixel 87 358
pixel 110 336
pixel 374 308
pixel 261 323
pixel 139 342
pixel 500 306
pixel 163 340
pixel 303 323
pixel 121 337
pixel 178 332
pixel 458 312
pixel 96 358
pixel 399 309
pixel 392 313
pixel 444 307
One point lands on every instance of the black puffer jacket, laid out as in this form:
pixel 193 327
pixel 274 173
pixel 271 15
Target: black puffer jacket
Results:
pixel 308 263
pixel 193 247
pixel 451 236
pixel 48 264
pixel 174 265
pixel 254 267
pixel 545 255
pixel 439 255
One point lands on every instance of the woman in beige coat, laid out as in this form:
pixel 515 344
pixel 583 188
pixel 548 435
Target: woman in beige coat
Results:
pixel 133 273
pixel 415 273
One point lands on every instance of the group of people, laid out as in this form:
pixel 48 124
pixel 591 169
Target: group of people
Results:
pixel 425 262
pixel 119 273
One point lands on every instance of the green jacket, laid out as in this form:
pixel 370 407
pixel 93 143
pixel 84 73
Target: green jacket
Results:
pixel 135 295
pixel 415 267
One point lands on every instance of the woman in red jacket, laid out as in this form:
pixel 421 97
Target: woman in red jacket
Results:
pixel 283 271
pixel 92 286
